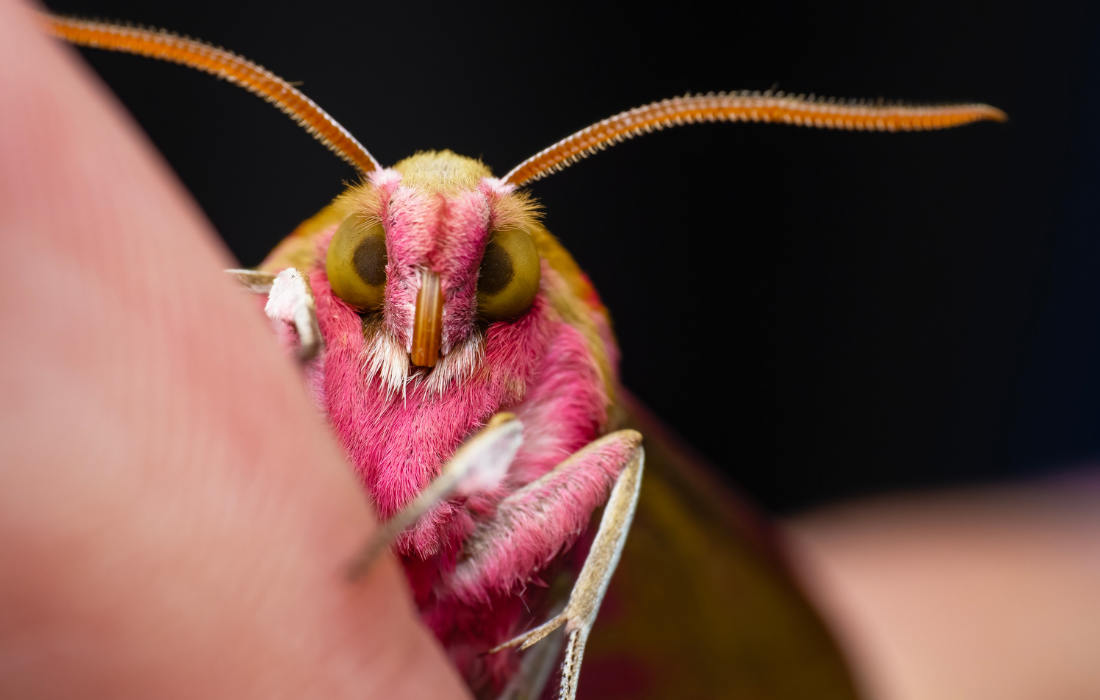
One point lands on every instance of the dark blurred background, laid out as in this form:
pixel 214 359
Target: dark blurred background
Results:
pixel 822 314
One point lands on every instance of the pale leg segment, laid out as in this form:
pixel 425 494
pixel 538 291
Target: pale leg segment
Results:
pixel 256 280
pixel 588 592
pixel 478 465
pixel 289 300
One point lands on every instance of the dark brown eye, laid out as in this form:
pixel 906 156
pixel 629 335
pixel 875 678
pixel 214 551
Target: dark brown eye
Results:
pixel 509 275
pixel 356 263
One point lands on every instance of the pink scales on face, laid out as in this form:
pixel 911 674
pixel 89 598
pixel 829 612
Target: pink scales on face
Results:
pixel 552 366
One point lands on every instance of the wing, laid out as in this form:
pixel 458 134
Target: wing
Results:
pixel 702 605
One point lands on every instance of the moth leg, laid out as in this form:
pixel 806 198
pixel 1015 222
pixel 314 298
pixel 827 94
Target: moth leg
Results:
pixel 532 526
pixel 256 280
pixel 478 465
pixel 290 300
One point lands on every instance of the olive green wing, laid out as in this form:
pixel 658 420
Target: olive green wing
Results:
pixel 702 605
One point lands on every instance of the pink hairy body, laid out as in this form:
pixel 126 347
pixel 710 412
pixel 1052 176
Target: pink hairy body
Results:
pixel 553 367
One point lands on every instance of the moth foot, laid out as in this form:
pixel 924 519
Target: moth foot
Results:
pixel 528 639
pixel 584 601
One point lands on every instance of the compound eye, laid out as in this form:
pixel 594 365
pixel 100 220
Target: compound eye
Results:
pixel 509 275
pixel 356 263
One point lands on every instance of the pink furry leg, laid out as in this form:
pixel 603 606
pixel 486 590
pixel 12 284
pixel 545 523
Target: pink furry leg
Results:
pixel 533 525
pixel 478 465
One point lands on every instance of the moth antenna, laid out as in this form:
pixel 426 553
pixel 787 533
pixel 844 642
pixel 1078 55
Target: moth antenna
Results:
pixel 745 106
pixel 166 46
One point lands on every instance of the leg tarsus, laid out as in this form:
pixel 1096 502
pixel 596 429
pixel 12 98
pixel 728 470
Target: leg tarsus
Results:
pixel 571 665
pixel 527 639
pixel 588 592
pixel 256 280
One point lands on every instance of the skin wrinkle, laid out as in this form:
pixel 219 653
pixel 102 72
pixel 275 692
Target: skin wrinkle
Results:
pixel 155 517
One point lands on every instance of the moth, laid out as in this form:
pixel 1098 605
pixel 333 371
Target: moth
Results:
pixel 467 365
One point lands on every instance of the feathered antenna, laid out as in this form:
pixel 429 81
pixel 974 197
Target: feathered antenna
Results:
pixel 799 110
pixel 256 79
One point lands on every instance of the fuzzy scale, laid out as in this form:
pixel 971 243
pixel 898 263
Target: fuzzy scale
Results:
pixel 399 424
pixel 537 521
pixel 538 367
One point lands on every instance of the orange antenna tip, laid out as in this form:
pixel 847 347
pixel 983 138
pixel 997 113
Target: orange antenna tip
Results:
pixel 223 64
pixel 798 110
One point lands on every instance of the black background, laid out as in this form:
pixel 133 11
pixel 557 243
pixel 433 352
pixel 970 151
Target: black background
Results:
pixel 822 314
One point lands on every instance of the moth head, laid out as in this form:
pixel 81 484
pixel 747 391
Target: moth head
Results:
pixel 436 246
pixel 435 241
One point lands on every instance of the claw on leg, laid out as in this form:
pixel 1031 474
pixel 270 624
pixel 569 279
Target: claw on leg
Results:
pixel 571 666
pixel 478 465
pixel 588 592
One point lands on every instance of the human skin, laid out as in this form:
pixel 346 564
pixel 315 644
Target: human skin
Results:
pixel 967 595
pixel 174 515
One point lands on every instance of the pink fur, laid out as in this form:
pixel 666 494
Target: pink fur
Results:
pixel 398 424
pixel 495 187
pixel 386 178
pixel 444 234
pixel 398 443
pixel 539 521
pixel 561 408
